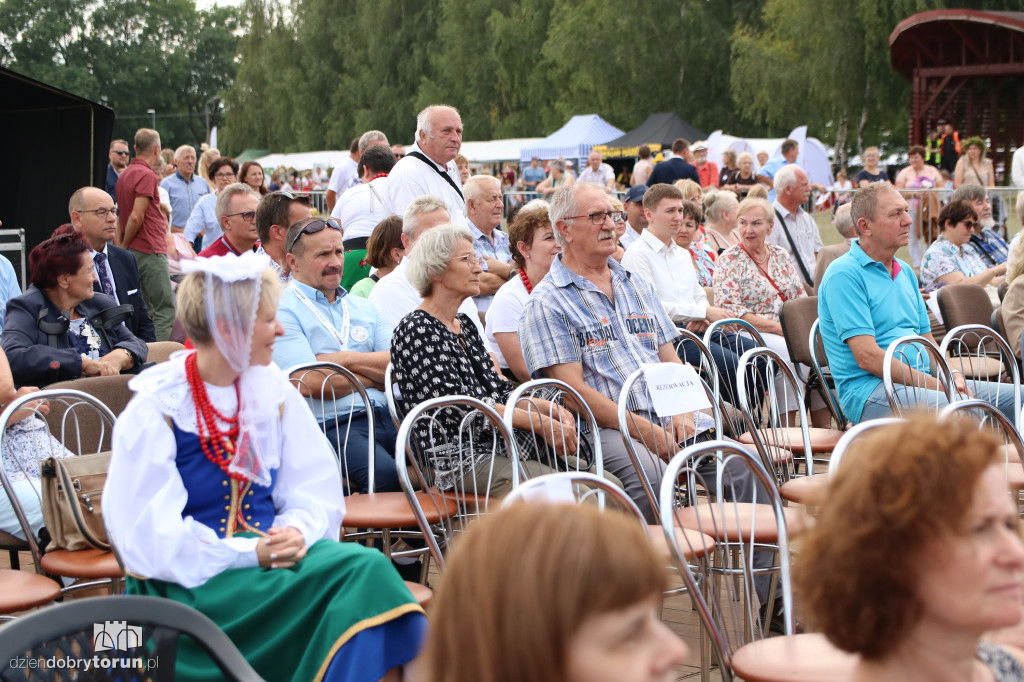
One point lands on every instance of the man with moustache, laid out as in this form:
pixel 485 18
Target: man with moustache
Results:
pixel 988 243
pixel 323 323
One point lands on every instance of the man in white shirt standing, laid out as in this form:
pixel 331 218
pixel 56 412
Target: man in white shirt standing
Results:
pixel 1017 168
pixel 598 173
pixel 656 257
pixel 795 227
pixel 429 168
pixel 394 295
pixel 361 208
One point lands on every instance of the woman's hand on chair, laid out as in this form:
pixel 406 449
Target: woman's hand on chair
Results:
pixel 283 547
pixel 560 435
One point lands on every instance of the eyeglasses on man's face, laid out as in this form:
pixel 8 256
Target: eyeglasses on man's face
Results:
pixel 247 216
pixel 600 217
pixel 101 213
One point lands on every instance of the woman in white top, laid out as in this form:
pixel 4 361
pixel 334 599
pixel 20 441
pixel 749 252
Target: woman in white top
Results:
pixel 533 245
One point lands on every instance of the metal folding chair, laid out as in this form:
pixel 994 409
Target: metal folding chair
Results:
pixel 915 358
pixel 442 464
pixel 982 355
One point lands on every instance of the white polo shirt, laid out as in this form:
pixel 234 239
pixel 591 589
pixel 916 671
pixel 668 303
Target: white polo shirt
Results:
pixel 412 178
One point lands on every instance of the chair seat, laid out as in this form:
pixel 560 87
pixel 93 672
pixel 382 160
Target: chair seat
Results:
pixel 802 488
pixel 21 590
pixel 390 510
pixel 420 592
pixel 693 543
pixel 85 563
pixel 740 518
pixel 822 440
pixel 797 658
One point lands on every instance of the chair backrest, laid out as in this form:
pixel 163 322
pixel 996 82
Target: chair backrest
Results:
pixel 574 486
pixel 543 400
pixel 460 452
pixel 850 437
pixel 160 351
pixel 709 372
pixel 962 304
pixel 323 385
pixel 988 417
pixel 782 446
pixel 714 330
pixel 112 391
pixel 391 395
pixel 149 627
pixel 906 388
pixel 819 365
pixel 636 417
pixel 79 424
pixel 797 316
pixel 982 355
pixel 728 606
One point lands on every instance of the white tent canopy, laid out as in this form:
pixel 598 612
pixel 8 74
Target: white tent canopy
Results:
pixel 813 155
pixel 490 151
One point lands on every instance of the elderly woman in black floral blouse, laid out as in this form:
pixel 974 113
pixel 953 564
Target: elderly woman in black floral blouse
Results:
pixel 437 351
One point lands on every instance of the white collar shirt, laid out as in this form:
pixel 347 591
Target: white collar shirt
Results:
pixel 670 269
pixel 412 178
pixel 805 234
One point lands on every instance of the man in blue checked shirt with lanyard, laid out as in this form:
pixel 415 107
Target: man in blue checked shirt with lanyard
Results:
pixel 322 322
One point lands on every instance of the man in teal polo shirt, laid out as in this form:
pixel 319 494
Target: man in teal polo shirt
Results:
pixel 869 298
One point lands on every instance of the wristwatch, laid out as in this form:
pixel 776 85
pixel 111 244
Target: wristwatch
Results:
pixel 512 272
pixel 131 355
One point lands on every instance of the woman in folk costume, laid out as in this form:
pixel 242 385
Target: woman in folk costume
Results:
pixel 224 495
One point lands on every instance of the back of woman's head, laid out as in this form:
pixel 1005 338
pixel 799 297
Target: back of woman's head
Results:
pixel 387 235
pixel 717 201
pixel 898 490
pixel 521 583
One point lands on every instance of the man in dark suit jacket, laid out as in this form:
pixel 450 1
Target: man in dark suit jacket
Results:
pixel 675 168
pixel 117 274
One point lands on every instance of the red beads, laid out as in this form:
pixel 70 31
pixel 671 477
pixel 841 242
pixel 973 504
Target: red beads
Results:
pixel 217 444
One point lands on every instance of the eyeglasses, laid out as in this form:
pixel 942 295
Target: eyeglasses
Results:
pixel 101 213
pixel 471 259
pixel 223 175
pixel 247 216
pixel 312 228
pixel 124 153
pixel 599 217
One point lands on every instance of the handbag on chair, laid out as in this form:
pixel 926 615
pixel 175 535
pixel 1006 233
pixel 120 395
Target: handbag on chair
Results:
pixel 72 492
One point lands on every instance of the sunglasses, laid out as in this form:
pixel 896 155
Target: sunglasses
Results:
pixel 312 228
pixel 285 194
pixel 121 153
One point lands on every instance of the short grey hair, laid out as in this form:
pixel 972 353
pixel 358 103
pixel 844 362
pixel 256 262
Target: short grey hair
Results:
pixel 180 151
pixel 969 192
pixel 228 193
pixel 843 221
pixel 563 204
pixel 745 156
pixel 433 254
pixel 785 177
pixel 369 138
pixel 475 186
pixel 425 203
pixel 865 200
pixel 425 119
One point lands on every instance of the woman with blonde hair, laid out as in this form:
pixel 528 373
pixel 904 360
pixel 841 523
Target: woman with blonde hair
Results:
pixel 586 614
pixel 690 189
pixel 973 166
pixel 911 575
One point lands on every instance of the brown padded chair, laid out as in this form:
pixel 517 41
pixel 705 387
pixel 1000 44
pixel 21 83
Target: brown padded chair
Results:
pixel 160 351
pixel 21 591
pixel 962 304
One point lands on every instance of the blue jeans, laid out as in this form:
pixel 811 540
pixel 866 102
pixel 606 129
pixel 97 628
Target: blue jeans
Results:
pixel 356 458
pixel 726 350
pixel 993 393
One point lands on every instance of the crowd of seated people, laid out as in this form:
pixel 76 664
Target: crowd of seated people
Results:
pixel 574 300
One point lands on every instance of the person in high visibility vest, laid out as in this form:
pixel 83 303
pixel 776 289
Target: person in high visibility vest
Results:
pixel 933 147
pixel 949 145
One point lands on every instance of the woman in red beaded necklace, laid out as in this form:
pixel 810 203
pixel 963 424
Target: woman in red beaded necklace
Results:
pixel 533 249
pixel 223 494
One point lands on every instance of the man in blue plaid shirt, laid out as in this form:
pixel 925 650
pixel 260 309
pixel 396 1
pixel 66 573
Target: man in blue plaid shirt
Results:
pixel 990 245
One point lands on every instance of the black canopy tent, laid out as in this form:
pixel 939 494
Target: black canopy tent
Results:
pixel 658 132
pixel 56 142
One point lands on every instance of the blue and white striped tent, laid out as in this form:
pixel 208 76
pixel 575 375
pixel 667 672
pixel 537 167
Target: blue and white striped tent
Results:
pixel 573 140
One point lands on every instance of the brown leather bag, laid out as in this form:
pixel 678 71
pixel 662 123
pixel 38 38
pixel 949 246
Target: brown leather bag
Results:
pixel 72 490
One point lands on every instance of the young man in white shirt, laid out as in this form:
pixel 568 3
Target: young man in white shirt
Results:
pixel 656 257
